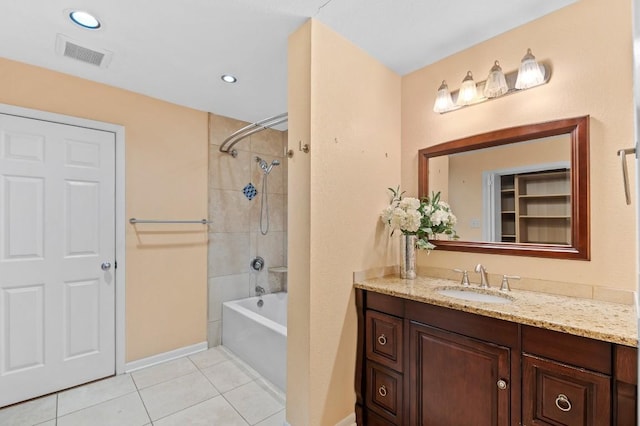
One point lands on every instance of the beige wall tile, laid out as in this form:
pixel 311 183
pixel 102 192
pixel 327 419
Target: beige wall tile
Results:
pixel 267 142
pixel 221 127
pixel 229 211
pixel 214 333
pixel 223 289
pixel 226 172
pixel 228 253
pixel 277 217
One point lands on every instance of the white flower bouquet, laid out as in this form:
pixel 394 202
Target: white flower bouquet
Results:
pixel 423 218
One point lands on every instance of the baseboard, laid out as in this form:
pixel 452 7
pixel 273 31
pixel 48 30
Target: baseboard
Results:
pixel 350 420
pixel 165 356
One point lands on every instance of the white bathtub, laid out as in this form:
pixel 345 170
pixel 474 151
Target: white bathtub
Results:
pixel 258 335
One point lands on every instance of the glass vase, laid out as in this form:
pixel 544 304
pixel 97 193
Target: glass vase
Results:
pixel 408 256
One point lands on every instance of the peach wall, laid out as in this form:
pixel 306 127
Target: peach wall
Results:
pixel 589 45
pixel 298 224
pixel 166 178
pixel 352 106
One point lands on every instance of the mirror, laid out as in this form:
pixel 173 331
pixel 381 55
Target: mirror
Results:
pixel 517 191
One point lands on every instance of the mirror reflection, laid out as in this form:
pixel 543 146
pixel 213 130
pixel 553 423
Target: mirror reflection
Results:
pixel 520 191
pixel 517 193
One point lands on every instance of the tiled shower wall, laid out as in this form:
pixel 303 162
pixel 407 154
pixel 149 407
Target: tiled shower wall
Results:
pixel 234 234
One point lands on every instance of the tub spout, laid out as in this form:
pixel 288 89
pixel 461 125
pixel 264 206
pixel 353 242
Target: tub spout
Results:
pixel 260 290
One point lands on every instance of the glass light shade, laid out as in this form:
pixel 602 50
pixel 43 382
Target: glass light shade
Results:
pixel 468 91
pixel 531 73
pixel 443 101
pixel 496 84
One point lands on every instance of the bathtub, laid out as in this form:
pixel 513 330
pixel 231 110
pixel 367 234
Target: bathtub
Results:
pixel 258 335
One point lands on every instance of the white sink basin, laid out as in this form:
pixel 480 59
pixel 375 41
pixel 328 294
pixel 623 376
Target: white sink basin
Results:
pixel 473 295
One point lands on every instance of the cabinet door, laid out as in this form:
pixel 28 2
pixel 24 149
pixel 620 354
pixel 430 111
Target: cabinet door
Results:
pixel 456 380
pixel 558 394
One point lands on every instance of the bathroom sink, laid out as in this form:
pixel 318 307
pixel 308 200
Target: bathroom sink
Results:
pixel 474 295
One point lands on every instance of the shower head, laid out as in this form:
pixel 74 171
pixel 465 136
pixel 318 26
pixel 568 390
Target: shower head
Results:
pixel 266 167
pixel 273 163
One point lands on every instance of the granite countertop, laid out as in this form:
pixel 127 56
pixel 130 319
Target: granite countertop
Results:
pixel 610 322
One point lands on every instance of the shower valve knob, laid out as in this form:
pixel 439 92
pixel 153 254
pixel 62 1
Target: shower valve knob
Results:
pixel 257 264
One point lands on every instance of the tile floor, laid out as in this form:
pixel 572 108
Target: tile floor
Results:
pixel 212 387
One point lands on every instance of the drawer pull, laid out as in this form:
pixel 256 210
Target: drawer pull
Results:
pixel 382 391
pixel 563 403
pixel 382 339
pixel 502 384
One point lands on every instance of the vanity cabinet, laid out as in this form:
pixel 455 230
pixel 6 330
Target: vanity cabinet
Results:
pixel 566 379
pixel 421 364
pixel 456 380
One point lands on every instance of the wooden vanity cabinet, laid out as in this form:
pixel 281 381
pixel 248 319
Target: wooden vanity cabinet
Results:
pixel 566 379
pixel 439 366
pixel 625 375
pixel 457 380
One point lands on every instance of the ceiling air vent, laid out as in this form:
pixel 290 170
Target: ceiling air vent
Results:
pixel 75 50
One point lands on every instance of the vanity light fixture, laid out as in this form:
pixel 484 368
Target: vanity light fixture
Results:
pixel 84 19
pixel 530 74
pixel 468 90
pixel 444 102
pixel 496 84
pixel 228 78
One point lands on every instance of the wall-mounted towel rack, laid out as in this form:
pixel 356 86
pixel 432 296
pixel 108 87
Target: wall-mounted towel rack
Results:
pixel 625 175
pixel 133 221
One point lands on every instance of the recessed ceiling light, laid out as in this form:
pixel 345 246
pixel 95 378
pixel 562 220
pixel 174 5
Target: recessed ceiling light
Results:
pixel 228 78
pixel 84 19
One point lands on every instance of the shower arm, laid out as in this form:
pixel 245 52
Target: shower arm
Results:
pixel 237 136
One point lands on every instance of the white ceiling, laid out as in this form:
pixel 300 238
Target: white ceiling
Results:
pixel 176 50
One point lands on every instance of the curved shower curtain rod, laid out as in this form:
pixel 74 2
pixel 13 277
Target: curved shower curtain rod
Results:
pixel 267 123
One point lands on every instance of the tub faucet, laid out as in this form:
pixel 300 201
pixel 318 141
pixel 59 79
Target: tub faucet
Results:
pixel 260 290
pixel 484 280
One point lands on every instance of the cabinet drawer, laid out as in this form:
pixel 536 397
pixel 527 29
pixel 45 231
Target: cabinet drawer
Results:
pixel 558 394
pixel 383 393
pixel 375 420
pixel 384 339
pixel 579 351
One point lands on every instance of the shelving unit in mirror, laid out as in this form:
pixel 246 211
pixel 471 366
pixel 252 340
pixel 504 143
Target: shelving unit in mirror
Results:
pixel 536 207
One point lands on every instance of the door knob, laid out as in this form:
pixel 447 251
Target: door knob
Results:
pixel 105 266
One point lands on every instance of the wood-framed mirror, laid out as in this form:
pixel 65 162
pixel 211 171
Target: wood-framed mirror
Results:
pixel 520 191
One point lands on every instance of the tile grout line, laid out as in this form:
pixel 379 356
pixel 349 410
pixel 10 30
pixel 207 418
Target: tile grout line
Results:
pixel 146 410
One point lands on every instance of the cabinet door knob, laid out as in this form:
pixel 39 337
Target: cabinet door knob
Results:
pixel 563 403
pixel 382 391
pixel 382 339
pixel 502 384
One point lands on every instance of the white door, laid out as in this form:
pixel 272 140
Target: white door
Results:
pixel 57 227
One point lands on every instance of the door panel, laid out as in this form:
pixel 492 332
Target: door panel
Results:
pixel 57 199
pixel 24 337
pixel 466 395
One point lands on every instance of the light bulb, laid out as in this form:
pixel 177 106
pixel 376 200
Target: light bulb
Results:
pixel 443 101
pixel 468 91
pixel 531 73
pixel 496 84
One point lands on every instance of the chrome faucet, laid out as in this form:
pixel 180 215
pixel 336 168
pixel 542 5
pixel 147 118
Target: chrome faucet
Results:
pixel 260 290
pixel 484 280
